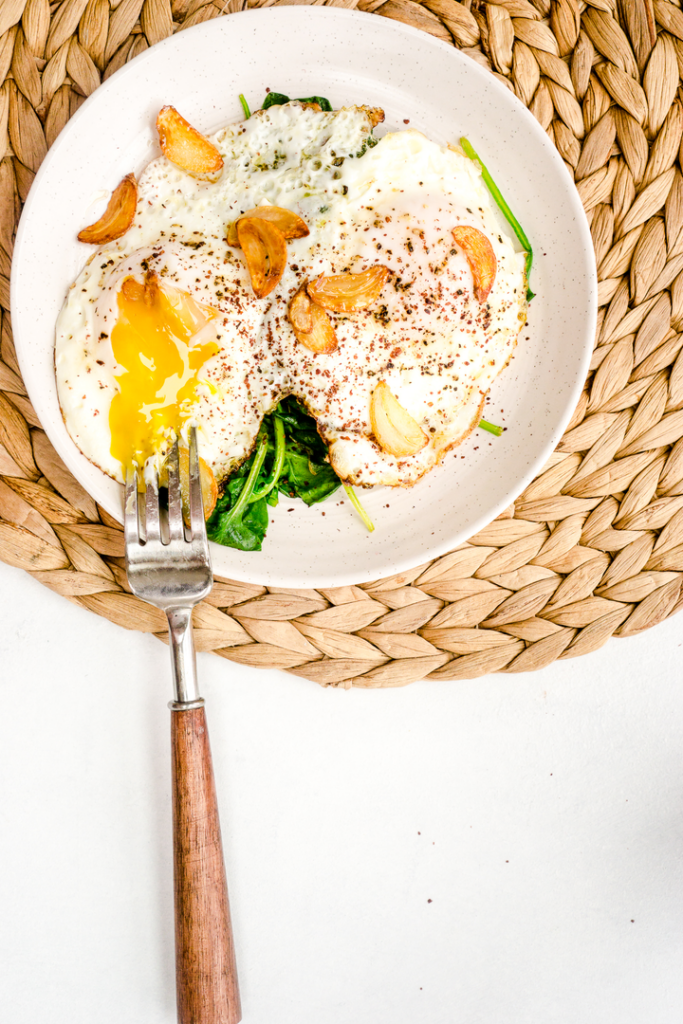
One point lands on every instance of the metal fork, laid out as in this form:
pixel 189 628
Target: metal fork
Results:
pixel 169 567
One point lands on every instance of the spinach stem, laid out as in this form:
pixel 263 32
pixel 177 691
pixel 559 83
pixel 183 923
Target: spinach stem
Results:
pixel 243 500
pixel 358 507
pixel 505 209
pixel 278 462
pixel 245 107
pixel 492 428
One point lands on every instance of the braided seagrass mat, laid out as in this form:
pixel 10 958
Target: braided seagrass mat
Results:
pixel 594 546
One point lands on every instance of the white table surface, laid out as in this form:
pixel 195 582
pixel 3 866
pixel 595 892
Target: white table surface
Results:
pixel 502 851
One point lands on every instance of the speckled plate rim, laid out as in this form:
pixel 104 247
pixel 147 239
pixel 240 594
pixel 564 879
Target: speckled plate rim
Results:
pixel 380 62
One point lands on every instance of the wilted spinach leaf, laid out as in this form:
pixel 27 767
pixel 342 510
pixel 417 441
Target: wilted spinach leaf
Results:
pixel 290 457
pixel 276 99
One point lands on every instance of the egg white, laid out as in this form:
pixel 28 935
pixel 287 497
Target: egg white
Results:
pixel 435 345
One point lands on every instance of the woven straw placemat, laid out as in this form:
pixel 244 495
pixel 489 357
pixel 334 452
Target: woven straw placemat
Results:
pixel 594 546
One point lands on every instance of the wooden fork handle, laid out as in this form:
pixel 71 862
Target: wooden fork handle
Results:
pixel 206 975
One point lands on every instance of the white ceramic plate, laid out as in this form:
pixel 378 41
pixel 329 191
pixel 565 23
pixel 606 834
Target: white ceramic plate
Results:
pixel 350 58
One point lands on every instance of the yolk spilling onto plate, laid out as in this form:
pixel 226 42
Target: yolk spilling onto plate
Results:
pixel 160 342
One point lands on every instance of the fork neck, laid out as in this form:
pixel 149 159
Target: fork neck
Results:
pixel 186 692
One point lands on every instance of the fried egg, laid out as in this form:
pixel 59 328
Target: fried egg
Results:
pixel 137 366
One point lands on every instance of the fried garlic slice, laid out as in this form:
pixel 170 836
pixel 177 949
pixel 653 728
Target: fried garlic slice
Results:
pixel 481 258
pixel 311 324
pixel 265 253
pixel 376 115
pixel 299 312
pixel 118 216
pixel 289 223
pixel 395 430
pixel 349 293
pixel 136 292
pixel 187 148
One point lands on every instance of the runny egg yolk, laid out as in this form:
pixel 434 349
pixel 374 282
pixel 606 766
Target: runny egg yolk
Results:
pixel 161 344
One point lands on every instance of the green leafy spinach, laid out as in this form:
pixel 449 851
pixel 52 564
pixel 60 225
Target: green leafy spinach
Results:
pixel 276 99
pixel 289 458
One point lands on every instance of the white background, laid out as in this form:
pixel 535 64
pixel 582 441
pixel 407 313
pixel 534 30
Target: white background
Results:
pixel 541 815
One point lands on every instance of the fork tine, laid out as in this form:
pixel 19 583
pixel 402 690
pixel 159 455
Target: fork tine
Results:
pixel 130 522
pixel 175 509
pixel 197 521
pixel 152 526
